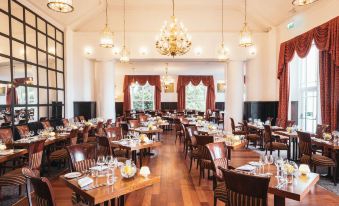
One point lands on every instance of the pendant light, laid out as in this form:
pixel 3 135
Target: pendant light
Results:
pixel 63 6
pixel 124 58
pixel 222 50
pixel 302 2
pixel 245 33
pixel 106 39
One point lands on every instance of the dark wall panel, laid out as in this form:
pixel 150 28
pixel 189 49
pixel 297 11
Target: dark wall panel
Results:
pixel 87 109
pixel 119 109
pixel 260 109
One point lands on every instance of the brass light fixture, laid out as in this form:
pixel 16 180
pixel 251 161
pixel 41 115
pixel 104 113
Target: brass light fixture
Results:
pixel 302 2
pixel 124 58
pixel 245 33
pixel 106 39
pixel 222 50
pixel 174 39
pixel 63 6
pixel 166 80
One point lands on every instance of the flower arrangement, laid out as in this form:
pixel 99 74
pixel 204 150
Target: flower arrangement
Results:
pixel 88 124
pixel 128 170
pixel 200 118
pixel 3 147
pixel 289 129
pixel 143 138
pixel 327 136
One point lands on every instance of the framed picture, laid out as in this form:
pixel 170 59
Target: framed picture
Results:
pixel 221 87
pixel 2 91
pixel 169 88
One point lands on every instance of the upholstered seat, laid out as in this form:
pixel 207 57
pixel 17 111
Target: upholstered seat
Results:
pixel 58 154
pixel 220 192
pixel 320 160
pixel 276 145
pixel 13 177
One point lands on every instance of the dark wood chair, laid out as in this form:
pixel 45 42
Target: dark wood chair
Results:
pixel 270 143
pixel 250 136
pixel 22 130
pixel 82 118
pixel 204 154
pixel 235 129
pixel 6 135
pixel 143 118
pixel 219 156
pixel 244 189
pixel 82 156
pixel 104 148
pixel 134 123
pixel 308 157
pixel 320 130
pixel 190 133
pixel 178 130
pixel 290 123
pixel 65 122
pixel 115 134
pixel 220 119
pixel 45 124
pixel 86 138
pixel 108 123
pixel 99 131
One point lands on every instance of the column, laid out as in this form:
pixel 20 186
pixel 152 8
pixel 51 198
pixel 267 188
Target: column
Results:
pixel 105 98
pixel 69 73
pixel 234 76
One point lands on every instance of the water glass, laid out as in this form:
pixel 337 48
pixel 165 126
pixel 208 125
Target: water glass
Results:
pixel 110 178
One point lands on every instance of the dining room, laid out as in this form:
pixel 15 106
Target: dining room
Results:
pixel 148 103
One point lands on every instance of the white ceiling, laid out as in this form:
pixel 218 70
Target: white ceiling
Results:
pixel 198 15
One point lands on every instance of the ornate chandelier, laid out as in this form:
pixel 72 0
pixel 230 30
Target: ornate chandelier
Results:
pixel 222 50
pixel 124 58
pixel 302 2
pixel 106 39
pixel 166 80
pixel 245 33
pixel 174 39
pixel 63 6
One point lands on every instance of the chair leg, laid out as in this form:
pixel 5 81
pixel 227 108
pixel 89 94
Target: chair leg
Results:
pixel 215 201
pixel 201 171
pixel 191 164
pixel 334 175
pixel 278 152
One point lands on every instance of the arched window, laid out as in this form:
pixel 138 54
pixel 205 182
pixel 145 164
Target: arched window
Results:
pixel 196 97
pixel 142 97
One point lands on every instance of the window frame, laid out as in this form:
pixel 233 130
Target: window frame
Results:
pixel 192 99
pixel 142 100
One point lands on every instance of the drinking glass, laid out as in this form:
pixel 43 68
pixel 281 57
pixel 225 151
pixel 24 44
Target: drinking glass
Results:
pixel 110 161
pixel 110 179
pixel 101 161
pixel 261 162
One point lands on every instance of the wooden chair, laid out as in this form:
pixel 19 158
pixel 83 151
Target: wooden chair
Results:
pixel 290 123
pixel 235 129
pixel 244 189
pixel 6 135
pixel 86 138
pixel 76 119
pixel 45 124
pixel 204 154
pixel 134 123
pixel 308 157
pixel 220 119
pixel 219 156
pixel 82 156
pixel 178 131
pixel 99 131
pixel 65 122
pixel 82 118
pixel 320 130
pixel 23 130
pixel 62 154
pixel 190 133
pixel 270 144
pixel 251 137
pixel 108 123
pixel 115 134
pixel 15 177
pixel 143 118
pixel 104 148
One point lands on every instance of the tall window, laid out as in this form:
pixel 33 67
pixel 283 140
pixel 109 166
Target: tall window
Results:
pixel 304 90
pixel 196 97
pixel 142 97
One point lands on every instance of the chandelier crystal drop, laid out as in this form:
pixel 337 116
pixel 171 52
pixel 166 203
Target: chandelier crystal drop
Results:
pixel 245 33
pixel 174 39
pixel 106 39
pixel 63 6
pixel 124 55
pixel 302 2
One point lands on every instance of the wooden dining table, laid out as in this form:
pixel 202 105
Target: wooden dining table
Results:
pixel 296 191
pixel 292 138
pixel 106 192
pixel 22 143
pixel 148 131
pixel 12 154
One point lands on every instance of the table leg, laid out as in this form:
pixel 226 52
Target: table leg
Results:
pixel 229 153
pixel 289 148
pixel 279 201
pixel 122 200
pixel 134 156
pixel 140 157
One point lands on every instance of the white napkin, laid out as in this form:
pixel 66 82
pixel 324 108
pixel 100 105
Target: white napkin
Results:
pixel 6 152
pixel 83 182
pixel 99 168
pixel 246 168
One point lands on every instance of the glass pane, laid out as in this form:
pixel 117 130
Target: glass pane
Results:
pixel 41 25
pixel 60 50
pixel 5 70
pixel 51 31
pixel 32 114
pixel 21 94
pixel 30 36
pixel 43 112
pixel 52 78
pixel 42 41
pixel 42 77
pixel 32 74
pixel 51 62
pixel 18 50
pixel 42 96
pixel 4 42
pixel 52 96
pixel 30 18
pixel 60 64
pixel 17 30
pixel 3 93
pixel 61 96
pixel 18 70
pixel 59 36
pixel 31 54
pixel 60 80
pixel 4 5
pixel 51 46
pixel 32 93
pixel 4 28
pixel 17 10
pixel 42 58
pixel 19 114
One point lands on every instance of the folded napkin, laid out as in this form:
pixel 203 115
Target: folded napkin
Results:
pixel 6 152
pixel 99 168
pixel 83 182
pixel 255 164
pixel 246 168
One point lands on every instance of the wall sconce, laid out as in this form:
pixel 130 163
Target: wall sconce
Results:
pixel 198 51
pixel 88 51
pixel 116 50
pixel 143 51
pixel 252 50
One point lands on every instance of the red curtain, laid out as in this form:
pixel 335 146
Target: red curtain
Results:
pixel 208 81
pixel 326 38
pixel 153 80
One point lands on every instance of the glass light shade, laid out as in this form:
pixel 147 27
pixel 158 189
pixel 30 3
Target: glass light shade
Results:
pixel 106 39
pixel 245 37
pixel 145 171
pixel 64 6
pixel 304 169
pixel 124 55
pixel 302 2
pixel 223 53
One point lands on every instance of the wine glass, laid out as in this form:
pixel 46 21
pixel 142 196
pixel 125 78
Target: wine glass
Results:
pixel 101 161
pixel 109 161
pixel 278 163
pixel 261 161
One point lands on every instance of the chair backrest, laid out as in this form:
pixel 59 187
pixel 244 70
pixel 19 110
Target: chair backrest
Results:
pixel 43 191
pixel 65 122
pixel 245 189
pixel 134 123
pixel 202 141
pixel 85 133
pixel 108 123
pixel 82 118
pixel 23 130
pixel 219 156
pixel 191 132
pixel 114 133
pixel 321 129
pixel 100 129
pixel 104 146
pixel 6 135
pixel 245 127
pixel 35 152
pixel 232 124
pixel 267 134
pixel 82 156
pixel 45 124
pixel 201 114
pixel 76 119
pixel 73 136
pixel 143 118
pixel 305 143
pixel 290 123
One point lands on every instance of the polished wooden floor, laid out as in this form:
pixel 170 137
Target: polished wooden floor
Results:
pixel 179 187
